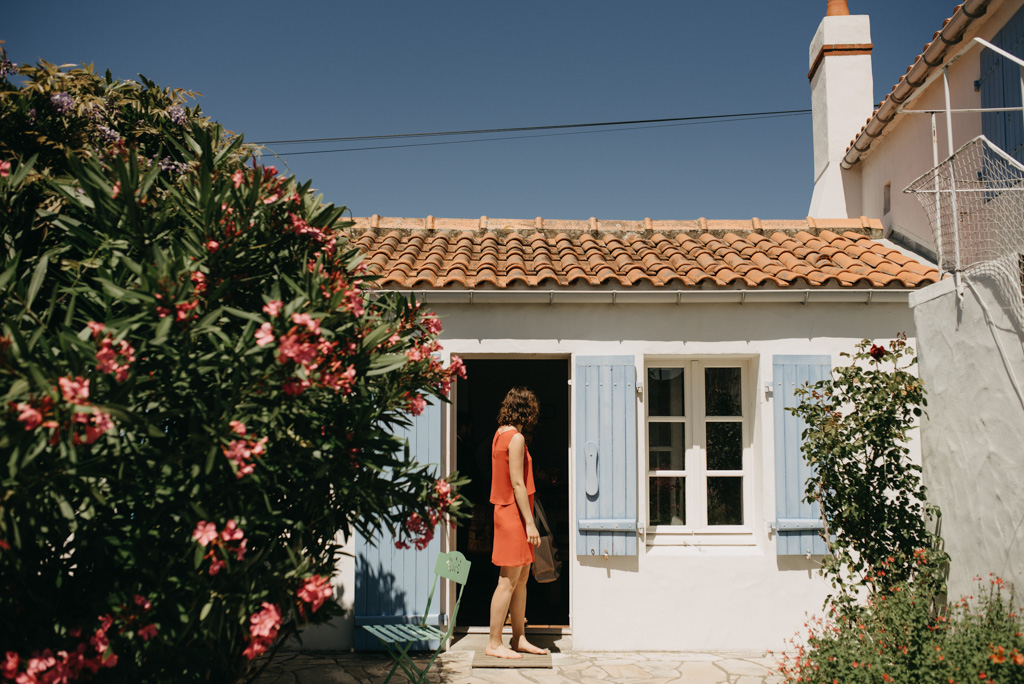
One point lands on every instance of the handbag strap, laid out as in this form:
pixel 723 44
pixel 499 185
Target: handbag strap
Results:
pixel 542 520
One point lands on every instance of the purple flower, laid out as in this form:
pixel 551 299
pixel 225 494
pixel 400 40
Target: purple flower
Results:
pixel 108 135
pixel 168 164
pixel 7 67
pixel 177 115
pixel 63 102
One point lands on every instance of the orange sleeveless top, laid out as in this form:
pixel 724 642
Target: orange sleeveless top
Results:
pixel 501 479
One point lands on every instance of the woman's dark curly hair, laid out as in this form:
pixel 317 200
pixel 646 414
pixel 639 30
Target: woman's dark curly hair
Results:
pixel 520 408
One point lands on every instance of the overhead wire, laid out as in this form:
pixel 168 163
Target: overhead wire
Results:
pixel 623 126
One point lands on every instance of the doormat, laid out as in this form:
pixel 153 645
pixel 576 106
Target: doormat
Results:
pixel 528 661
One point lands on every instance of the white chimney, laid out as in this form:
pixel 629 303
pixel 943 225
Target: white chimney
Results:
pixel 841 102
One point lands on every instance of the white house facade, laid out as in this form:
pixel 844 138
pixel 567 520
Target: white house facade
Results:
pixel 664 355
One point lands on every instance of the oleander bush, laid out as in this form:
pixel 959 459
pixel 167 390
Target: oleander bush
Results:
pixel 199 387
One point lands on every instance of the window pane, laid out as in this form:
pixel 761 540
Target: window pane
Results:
pixel 725 501
pixel 722 392
pixel 725 446
pixel 668 500
pixel 665 391
pixel 666 446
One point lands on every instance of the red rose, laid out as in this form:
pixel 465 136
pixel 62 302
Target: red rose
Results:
pixel 877 352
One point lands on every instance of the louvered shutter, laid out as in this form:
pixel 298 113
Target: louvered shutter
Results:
pixel 392 584
pixel 1000 85
pixel 606 496
pixel 797 523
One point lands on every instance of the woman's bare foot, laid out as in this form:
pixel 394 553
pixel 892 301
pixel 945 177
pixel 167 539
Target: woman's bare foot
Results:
pixel 502 652
pixel 523 646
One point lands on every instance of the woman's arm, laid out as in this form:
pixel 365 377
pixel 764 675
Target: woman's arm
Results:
pixel 516 458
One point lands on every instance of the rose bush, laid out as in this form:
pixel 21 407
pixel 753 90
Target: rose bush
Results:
pixel 200 390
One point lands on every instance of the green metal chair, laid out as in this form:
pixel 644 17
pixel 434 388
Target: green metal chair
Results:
pixel 399 639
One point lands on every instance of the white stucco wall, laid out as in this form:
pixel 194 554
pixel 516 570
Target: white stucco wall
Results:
pixel 690 597
pixel 973 435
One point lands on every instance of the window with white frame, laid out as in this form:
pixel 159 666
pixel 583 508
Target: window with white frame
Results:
pixel 697 436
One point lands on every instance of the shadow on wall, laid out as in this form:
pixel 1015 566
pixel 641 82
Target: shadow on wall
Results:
pixel 335 635
pixel 377 594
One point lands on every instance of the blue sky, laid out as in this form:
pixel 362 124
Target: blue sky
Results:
pixel 278 71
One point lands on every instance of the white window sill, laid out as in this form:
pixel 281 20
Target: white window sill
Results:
pixel 729 537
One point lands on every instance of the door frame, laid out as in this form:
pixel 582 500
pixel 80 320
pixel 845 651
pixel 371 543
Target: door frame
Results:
pixel 449 422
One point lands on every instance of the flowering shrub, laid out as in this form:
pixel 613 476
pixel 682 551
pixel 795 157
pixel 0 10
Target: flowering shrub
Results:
pixel 895 637
pixel 198 391
pixel 871 496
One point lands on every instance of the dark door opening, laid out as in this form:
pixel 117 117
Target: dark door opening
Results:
pixel 478 399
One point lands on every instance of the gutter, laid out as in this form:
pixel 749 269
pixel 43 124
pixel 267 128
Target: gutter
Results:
pixel 551 297
pixel 932 58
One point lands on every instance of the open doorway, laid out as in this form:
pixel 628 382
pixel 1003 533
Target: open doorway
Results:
pixel 477 401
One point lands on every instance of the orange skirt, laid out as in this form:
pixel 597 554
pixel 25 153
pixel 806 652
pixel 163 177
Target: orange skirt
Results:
pixel 511 549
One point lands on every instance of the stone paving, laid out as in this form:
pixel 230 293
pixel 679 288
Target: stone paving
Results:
pixel 455 667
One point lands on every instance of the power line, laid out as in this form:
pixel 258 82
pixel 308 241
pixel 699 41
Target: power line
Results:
pixel 685 121
pixel 531 128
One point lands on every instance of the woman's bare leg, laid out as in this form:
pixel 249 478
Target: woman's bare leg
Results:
pixel 508 580
pixel 518 611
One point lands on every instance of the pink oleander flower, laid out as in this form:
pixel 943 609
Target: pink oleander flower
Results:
pixel 417 354
pixel 312 324
pixel 354 302
pixel 142 602
pixel 232 531
pixel 240 452
pixel 443 489
pixel 265 335
pixel 272 308
pixel 216 565
pixel 213 245
pixel 97 329
pixel 292 347
pixel 294 388
pixel 457 367
pixel 9 667
pixel 205 532
pixel 417 404
pixel 116 190
pixel 260 447
pixel 237 177
pixel 100 424
pixel 340 381
pixel 29 415
pixel 75 391
pixel 148 632
pixel 266 622
pixel 237 427
pixel 240 550
pixel 315 590
pixel 183 310
pixel 433 326
pixel 107 358
pixel 5 169
pixel 198 279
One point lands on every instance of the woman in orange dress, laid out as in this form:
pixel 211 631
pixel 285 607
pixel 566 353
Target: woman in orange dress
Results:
pixel 515 533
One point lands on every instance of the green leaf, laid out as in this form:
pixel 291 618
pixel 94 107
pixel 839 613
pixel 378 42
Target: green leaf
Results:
pixel 206 610
pixel 37 280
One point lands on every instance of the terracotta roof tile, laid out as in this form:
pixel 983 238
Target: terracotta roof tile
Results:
pixel 453 253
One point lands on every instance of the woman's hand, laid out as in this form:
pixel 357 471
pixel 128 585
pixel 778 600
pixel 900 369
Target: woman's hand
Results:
pixel 532 535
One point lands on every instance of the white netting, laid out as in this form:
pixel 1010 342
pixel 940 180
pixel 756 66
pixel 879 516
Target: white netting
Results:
pixel 975 203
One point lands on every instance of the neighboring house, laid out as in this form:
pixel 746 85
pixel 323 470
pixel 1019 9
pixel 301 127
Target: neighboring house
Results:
pixel 970 328
pixel 664 354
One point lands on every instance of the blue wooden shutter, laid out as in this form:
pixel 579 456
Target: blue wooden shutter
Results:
pixel 797 523
pixel 1000 87
pixel 392 584
pixel 606 506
